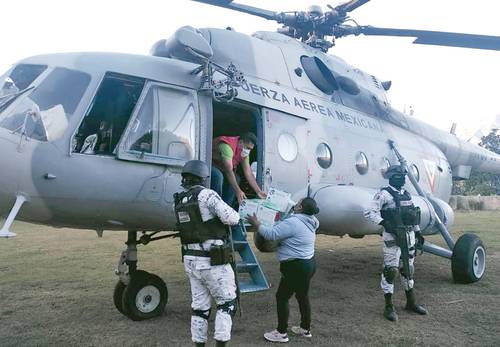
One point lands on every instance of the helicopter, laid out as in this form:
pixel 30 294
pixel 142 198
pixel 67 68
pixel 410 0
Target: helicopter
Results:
pixel 98 140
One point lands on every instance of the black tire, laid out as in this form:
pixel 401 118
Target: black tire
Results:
pixel 145 296
pixel 468 262
pixel 118 295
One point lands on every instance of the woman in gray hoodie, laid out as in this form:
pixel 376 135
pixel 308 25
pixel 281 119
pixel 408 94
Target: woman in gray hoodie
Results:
pixel 296 235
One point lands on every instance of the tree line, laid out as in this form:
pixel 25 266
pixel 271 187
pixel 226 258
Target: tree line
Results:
pixel 481 183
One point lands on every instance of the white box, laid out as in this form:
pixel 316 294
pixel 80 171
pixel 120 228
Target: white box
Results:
pixel 266 215
pixel 249 207
pixel 279 200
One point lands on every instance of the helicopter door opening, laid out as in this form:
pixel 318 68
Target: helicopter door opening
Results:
pixel 104 124
pixel 235 119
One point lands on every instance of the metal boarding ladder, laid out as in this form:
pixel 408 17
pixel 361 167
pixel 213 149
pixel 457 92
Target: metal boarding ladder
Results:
pixel 254 279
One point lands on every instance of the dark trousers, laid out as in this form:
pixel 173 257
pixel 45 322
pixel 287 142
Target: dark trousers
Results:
pixel 221 185
pixel 296 276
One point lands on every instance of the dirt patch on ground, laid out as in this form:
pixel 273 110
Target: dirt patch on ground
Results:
pixel 56 290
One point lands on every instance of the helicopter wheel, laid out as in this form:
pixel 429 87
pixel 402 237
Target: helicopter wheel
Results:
pixel 144 297
pixel 468 262
pixel 118 295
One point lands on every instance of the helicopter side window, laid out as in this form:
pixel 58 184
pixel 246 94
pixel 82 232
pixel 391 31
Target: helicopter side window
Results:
pixel 104 124
pixel 164 126
pixel 44 111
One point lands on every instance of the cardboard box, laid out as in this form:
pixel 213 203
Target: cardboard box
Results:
pixel 279 200
pixel 266 215
pixel 249 207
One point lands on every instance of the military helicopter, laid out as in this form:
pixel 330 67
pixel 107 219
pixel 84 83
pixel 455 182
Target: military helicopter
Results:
pixel 98 140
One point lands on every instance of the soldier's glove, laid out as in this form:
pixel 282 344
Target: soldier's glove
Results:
pixel 420 241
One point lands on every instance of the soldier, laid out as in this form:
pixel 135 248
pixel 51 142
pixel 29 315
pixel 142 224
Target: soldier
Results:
pixel 202 219
pixel 390 200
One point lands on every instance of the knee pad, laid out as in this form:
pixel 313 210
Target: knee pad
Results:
pixel 390 273
pixel 228 307
pixel 205 314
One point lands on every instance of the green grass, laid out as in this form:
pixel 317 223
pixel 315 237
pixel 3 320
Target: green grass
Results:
pixel 56 290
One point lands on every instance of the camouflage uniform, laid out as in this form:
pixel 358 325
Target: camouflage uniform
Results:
pixel 392 253
pixel 217 281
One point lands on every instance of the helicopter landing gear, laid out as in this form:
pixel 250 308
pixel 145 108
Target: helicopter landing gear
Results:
pixel 468 262
pixel 139 295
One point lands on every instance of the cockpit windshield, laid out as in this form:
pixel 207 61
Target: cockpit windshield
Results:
pixel 43 112
pixel 16 81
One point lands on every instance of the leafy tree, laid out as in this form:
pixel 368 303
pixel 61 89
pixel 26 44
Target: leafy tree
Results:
pixel 481 183
pixel 491 141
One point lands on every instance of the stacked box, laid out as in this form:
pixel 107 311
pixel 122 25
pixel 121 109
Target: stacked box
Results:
pixel 266 210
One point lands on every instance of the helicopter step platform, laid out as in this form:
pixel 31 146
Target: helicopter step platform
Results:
pixel 251 278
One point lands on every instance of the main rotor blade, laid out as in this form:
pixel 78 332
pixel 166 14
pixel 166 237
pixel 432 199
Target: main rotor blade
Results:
pixel 350 6
pixel 438 38
pixel 229 4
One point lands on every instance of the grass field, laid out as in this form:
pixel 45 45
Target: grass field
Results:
pixel 56 290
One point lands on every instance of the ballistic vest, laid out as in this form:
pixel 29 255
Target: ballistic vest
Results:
pixel 232 141
pixel 192 228
pixel 409 213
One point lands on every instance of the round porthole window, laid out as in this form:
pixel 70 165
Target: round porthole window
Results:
pixel 361 163
pixel 287 147
pixel 385 165
pixel 415 172
pixel 324 155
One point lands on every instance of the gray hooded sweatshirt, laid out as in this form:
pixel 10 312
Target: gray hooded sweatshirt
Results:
pixel 296 234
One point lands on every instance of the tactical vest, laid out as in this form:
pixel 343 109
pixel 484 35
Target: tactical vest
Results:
pixel 409 213
pixel 191 227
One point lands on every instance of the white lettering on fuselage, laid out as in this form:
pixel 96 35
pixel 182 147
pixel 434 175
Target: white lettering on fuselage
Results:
pixel 310 106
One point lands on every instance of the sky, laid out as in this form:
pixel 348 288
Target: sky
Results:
pixel 442 84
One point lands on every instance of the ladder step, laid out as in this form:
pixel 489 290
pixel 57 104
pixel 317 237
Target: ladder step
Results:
pixel 246 267
pixel 250 287
pixel 239 245
pixel 253 277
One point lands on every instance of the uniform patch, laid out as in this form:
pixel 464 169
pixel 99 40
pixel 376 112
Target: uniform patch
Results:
pixel 183 217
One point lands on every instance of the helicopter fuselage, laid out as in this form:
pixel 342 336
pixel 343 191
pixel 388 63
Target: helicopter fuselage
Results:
pixel 306 137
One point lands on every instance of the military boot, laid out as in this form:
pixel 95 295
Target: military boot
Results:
pixel 389 311
pixel 411 303
pixel 220 343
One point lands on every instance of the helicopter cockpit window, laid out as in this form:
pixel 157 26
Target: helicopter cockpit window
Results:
pixel 44 111
pixel 164 128
pixel 16 81
pixel 19 78
pixel 319 74
pixel 112 107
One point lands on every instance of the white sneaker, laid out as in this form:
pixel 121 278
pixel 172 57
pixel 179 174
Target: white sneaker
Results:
pixel 302 332
pixel 276 336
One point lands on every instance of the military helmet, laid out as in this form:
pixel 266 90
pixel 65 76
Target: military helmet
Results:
pixel 196 168
pixel 394 170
